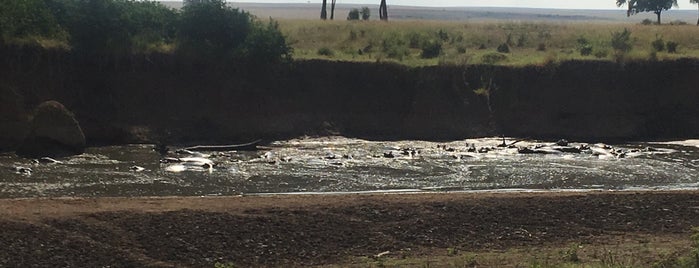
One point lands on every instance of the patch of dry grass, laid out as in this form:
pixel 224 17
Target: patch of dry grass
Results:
pixel 529 42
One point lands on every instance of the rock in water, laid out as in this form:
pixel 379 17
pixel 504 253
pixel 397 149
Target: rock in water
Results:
pixel 54 132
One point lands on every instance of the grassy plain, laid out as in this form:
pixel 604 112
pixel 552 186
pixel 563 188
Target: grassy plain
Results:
pixel 477 42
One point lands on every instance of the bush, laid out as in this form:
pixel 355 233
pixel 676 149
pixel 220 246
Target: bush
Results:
pixel 366 13
pixel 417 39
pixel 601 54
pixel 658 45
pixel 541 47
pixel 672 46
pixel 265 44
pixel 394 46
pixel 324 51
pixel 646 22
pixel 584 46
pixel 621 41
pixel 503 48
pixel 431 49
pixel 27 18
pixel 353 14
pixel 492 58
pixel 213 30
pixel 444 36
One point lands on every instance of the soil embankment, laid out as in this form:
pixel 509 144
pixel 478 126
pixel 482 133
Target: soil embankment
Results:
pixel 176 100
pixel 316 230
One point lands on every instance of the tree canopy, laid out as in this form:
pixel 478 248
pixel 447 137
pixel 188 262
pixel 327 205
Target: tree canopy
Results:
pixel 655 6
pixel 96 28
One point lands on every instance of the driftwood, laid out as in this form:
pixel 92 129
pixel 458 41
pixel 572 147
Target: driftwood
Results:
pixel 250 146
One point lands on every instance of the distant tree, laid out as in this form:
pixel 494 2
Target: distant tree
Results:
pixel 353 14
pixel 655 6
pixel 383 10
pixel 695 2
pixel 366 13
pixel 324 10
pixel 332 9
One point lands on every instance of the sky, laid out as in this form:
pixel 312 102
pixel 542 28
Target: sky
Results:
pixel 562 4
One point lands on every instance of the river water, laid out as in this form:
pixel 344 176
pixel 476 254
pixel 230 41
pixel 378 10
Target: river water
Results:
pixel 339 165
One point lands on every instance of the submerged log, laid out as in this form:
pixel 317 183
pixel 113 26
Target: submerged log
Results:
pixel 250 146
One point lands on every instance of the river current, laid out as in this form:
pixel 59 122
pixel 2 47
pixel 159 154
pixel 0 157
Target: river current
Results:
pixel 341 165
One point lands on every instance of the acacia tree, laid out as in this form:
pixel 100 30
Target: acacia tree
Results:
pixel 695 2
pixel 655 6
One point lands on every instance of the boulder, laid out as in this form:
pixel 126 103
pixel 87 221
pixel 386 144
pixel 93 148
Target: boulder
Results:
pixel 53 132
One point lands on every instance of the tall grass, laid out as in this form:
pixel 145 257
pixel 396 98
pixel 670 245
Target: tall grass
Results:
pixel 468 42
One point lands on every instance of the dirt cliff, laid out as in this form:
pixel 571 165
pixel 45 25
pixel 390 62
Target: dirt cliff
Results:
pixel 176 100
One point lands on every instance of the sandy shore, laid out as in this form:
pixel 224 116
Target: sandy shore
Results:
pixel 303 230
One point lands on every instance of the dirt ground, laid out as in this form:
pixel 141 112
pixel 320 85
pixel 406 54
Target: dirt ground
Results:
pixel 308 230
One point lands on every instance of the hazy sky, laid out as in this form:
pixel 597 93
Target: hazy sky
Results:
pixel 567 4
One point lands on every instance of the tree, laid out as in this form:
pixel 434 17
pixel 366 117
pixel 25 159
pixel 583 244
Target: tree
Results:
pixel 353 14
pixel 366 13
pixel 332 9
pixel 213 28
pixel 655 6
pixel 383 10
pixel 324 10
pixel 695 2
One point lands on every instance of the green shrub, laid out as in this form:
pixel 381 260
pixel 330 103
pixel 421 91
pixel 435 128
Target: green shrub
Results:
pixel 431 49
pixel 366 13
pixel 646 22
pixel 394 46
pixel 211 29
pixel 522 40
pixel 584 46
pixel 417 39
pixel 353 14
pixel 443 35
pixel 672 46
pixel 621 41
pixel 493 58
pixel 541 47
pixel 658 44
pixel 324 51
pixel 265 44
pixel 503 48
pixel 27 18
pixel 601 54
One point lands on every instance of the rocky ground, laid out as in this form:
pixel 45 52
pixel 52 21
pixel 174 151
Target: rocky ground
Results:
pixel 306 230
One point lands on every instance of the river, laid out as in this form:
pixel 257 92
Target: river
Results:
pixel 341 165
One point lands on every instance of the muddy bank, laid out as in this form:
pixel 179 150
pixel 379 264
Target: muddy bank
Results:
pixel 177 100
pixel 315 230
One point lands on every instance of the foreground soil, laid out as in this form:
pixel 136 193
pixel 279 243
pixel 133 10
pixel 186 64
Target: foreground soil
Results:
pixel 308 230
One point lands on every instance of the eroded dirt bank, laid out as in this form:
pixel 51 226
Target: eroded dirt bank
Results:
pixel 315 230
pixel 176 100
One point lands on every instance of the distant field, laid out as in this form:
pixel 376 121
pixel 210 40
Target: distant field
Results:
pixel 471 14
pixel 472 35
pixel 477 42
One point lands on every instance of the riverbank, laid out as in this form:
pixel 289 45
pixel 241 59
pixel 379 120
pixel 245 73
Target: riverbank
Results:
pixel 175 100
pixel 488 229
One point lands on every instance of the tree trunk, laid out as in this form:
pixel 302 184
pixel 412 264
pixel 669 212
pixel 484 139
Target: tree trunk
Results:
pixel 383 11
pixel 332 9
pixel 658 13
pixel 323 10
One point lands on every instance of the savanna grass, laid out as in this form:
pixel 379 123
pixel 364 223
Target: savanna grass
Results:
pixel 472 42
